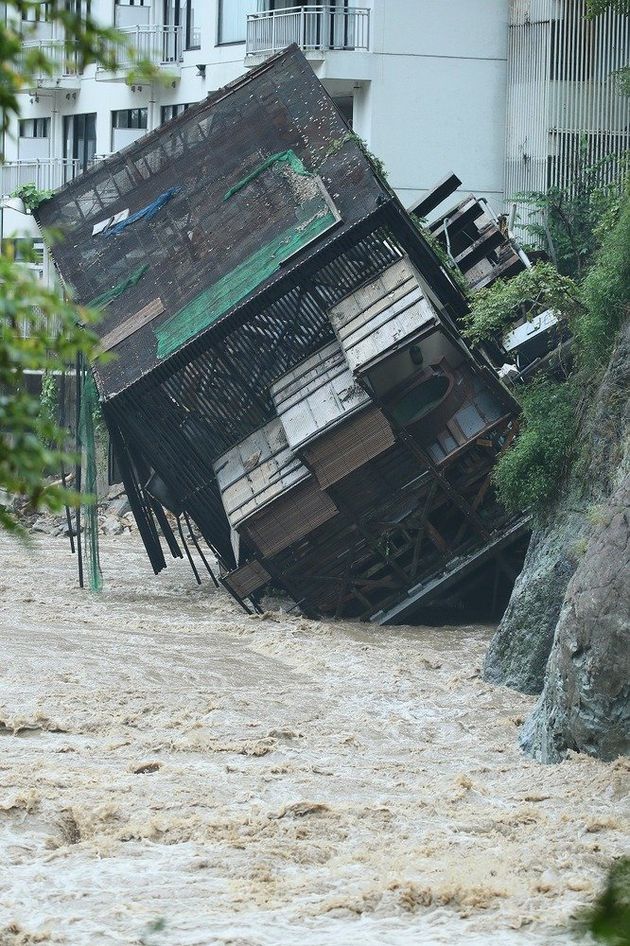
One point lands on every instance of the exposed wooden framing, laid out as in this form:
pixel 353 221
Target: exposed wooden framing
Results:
pixel 421 528
pixel 483 489
pixel 445 486
pixel 426 590
pixel 245 289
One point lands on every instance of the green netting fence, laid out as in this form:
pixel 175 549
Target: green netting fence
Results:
pixel 89 407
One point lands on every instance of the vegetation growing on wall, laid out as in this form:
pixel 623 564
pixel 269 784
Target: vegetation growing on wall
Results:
pixel 525 295
pixel 31 195
pixel 529 475
pixel 568 221
pixel 595 7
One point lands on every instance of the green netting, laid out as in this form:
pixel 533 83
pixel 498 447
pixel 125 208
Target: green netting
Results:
pixel 212 303
pixel 106 297
pixel 284 157
pixel 89 406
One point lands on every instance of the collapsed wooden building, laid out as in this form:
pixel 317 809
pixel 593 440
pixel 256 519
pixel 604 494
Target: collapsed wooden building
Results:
pixel 288 372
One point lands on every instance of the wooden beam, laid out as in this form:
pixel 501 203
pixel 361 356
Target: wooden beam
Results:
pixel 439 192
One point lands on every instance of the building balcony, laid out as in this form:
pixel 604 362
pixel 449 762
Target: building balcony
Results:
pixel 159 45
pixel 46 175
pixel 51 63
pixel 315 28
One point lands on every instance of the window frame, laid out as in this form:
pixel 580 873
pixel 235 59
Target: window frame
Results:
pixel 183 106
pixel 72 120
pixel 142 112
pixel 36 124
pixel 229 42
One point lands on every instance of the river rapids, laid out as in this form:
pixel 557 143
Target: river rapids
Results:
pixel 174 772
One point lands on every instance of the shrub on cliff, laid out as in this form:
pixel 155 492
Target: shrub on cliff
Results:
pixel 529 475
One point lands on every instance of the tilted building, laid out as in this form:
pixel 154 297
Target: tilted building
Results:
pixel 287 371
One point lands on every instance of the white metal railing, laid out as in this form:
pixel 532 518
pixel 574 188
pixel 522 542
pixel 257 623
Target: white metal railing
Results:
pixel 160 45
pixel 314 26
pixel 62 59
pixel 45 175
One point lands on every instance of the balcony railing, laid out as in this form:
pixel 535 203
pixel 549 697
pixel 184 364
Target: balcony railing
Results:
pixel 62 60
pixel 45 175
pixel 160 45
pixel 312 27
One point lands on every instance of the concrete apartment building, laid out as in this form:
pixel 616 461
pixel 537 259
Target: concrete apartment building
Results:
pixel 498 91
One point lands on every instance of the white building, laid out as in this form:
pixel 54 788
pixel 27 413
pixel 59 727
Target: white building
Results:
pixel 426 83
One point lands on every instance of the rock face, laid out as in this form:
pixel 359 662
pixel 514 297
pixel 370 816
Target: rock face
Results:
pixel 566 631
pixel 520 649
pixel 585 704
pixel 518 653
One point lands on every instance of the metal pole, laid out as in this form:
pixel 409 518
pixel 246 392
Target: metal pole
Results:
pixel 77 469
pixel 62 424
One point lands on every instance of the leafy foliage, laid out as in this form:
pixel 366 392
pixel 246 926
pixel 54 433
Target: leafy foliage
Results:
pixel 608 919
pixel 31 195
pixel 526 295
pixel 595 7
pixel 527 476
pixel 39 331
pixel 530 474
pixel 567 220
pixel 49 399
pixel 606 296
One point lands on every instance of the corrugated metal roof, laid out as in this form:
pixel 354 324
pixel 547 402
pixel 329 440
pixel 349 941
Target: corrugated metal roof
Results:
pixel 381 316
pixel 257 471
pixel 316 395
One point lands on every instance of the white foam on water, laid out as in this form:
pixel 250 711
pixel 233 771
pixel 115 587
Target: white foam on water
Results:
pixel 175 772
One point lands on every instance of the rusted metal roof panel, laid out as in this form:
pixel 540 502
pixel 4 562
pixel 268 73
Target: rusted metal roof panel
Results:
pixel 381 316
pixel 316 395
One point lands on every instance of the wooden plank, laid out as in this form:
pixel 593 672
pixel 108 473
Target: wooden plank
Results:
pixel 489 240
pixel 348 447
pixel 133 324
pixel 247 579
pixel 428 589
pixel 439 192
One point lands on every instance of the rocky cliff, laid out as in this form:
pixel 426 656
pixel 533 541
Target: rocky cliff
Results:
pixel 566 630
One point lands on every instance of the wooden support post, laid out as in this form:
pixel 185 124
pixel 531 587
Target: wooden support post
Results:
pixel 483 489
pixel 421 527
pixel 389 561
pixel 445 486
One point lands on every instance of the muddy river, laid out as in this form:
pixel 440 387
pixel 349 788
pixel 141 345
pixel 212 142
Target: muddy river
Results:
pixel 174 772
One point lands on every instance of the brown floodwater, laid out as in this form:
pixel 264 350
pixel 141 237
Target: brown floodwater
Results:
pixel 175 772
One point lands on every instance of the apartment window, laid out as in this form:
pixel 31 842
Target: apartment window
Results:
pixel 171 111
pixel 36 14
pixel 183 14
pixel 79 8
pixel 79 138
pixel 233 19
pixel 130 118
pixel 35 128
pixel 192 37
pixel 133 3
